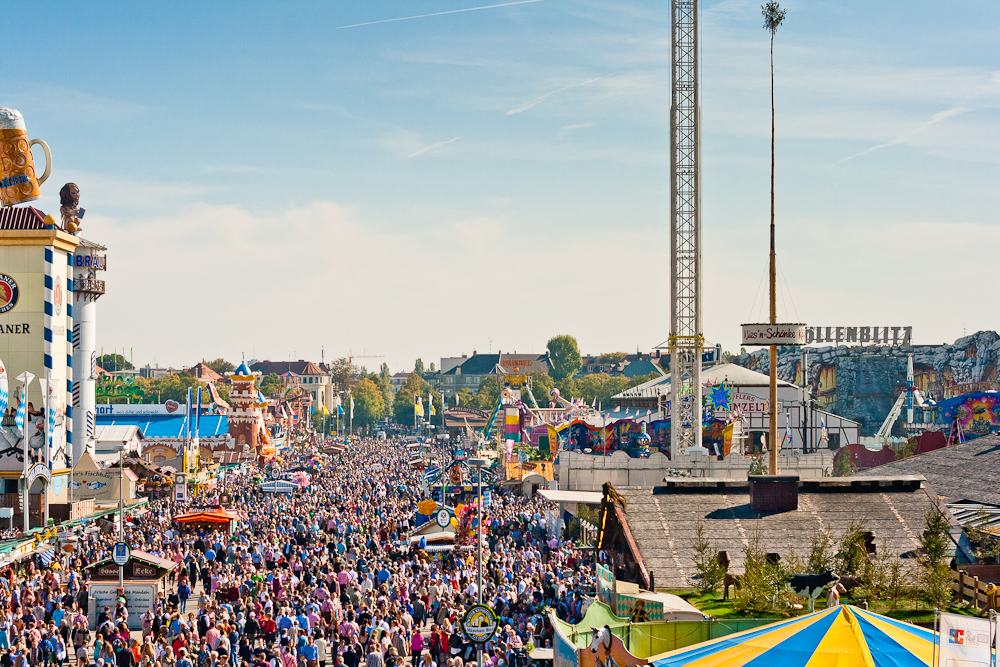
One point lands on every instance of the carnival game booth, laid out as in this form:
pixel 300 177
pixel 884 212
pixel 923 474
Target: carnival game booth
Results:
pixel 145 577
pixel 216 518
pixel 836 637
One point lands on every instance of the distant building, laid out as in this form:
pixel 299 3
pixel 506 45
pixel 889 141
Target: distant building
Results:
pixel 151 373
pixel 633 365
pixel 471 373
pixel 398 380
pixel 204 373
pixel 447 363
pixel 312 378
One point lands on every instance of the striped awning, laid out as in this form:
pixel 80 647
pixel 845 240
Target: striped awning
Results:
pixel 47 556
pixel 837 637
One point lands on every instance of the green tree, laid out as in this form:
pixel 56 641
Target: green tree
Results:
pixel 466 398
pixel 270 384
pixel 706 561
pixel 220 366
pixel 541 384
pixel 611 358
pixel 383 372
pixel 114 362
pixel 760 578
pixel 369 403
pixel 432 367
pixel 565 356
pixel 173 387
pixel 821 555
pixel 418 366
pixel 402 406
pixel 343 374
pixel 934 547
pixel 487 395
pixel 842 464
pixel 382 382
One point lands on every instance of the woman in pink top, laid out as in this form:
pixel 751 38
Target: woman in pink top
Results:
pixel 416 647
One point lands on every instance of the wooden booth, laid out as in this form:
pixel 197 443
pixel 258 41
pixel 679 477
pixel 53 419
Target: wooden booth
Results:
pixel 145 577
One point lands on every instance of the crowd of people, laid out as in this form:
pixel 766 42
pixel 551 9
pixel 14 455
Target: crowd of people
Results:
pixel 323 577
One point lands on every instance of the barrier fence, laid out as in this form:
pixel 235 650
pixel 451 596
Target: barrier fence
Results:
pixel 968 586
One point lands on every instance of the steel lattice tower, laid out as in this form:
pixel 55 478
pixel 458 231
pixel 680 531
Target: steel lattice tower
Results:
pixel 686 339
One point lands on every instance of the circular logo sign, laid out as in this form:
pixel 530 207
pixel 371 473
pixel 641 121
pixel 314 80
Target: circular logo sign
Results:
pixel 479 623
pixel 57 296
pixel 443 518
pixel 121 553
pixel 8 293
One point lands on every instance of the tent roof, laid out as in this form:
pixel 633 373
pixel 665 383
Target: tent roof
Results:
pixel 168 426
pixel 843 635
pixel 208 516
pixel 734 374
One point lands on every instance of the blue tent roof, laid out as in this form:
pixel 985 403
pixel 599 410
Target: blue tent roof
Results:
pixel 244 369
pixel 168 426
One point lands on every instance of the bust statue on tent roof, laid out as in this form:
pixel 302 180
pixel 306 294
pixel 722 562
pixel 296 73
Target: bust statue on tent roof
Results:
pixel 69 198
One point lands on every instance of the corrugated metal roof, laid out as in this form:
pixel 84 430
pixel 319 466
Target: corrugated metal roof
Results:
pixel 168 426
pixel 22 217
pixel 116 432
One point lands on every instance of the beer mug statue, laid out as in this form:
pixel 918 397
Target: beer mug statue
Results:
pixel 19 182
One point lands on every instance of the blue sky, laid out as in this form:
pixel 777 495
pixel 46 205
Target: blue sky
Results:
pixel 269 182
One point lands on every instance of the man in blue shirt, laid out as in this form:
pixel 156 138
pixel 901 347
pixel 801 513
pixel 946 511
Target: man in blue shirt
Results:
pixel 310 652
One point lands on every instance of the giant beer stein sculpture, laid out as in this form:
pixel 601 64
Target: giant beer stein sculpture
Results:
pixel 19 182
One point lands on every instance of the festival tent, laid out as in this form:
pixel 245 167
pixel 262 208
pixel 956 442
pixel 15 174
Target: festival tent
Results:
pixel 217 518
pixel 840 636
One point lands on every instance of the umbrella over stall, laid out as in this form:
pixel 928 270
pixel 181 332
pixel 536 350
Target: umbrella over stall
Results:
pixel 840 636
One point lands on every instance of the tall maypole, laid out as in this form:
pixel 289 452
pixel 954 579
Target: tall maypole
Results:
pixel 686 337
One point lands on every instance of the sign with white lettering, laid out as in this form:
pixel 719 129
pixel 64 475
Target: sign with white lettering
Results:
pixel 861 335
pixel 774 334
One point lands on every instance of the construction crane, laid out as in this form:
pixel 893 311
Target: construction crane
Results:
pixel 686 336
pixel 364 355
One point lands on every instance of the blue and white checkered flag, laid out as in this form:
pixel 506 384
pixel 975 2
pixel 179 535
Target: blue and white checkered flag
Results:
pixel 3 389
pixel 22 408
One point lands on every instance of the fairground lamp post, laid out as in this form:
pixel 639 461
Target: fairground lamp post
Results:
pixel 479 464
pixel 121 506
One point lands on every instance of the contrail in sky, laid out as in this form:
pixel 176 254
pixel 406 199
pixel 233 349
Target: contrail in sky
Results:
pixel 453 11
pixel 432 147
pixel 936 118
pixel 539 100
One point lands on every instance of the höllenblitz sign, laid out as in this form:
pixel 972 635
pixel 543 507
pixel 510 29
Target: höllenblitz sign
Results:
pixel 774 334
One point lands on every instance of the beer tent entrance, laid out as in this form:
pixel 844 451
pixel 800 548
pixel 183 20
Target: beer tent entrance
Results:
pixel 838 637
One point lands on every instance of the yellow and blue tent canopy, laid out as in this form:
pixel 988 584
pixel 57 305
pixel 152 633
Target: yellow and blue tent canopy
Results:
pixel 837 637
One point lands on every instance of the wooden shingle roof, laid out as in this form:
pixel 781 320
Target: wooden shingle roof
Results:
pixel 663 521
pixel 967 471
